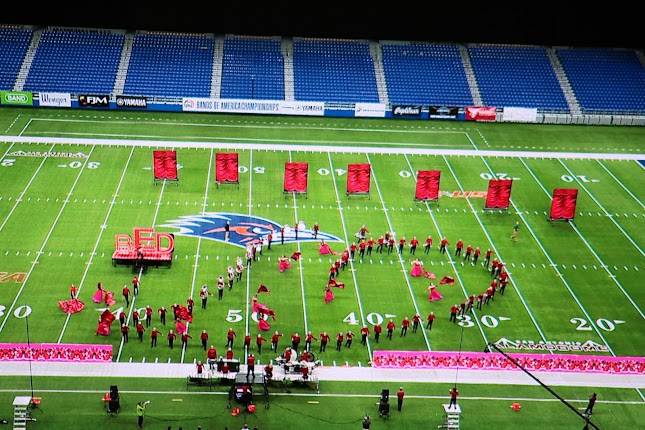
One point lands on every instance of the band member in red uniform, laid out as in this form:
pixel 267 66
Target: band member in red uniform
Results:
pixel 339 341
pixel 191 304
pixel 126 295
pixel 316 229
pixel 401 244
pixel 122 317
pixel 337 267
pixel 469 304
pixel 204 338
pixel 476 255
pixel 229 354
pixel 250 365
pixel 148 316
pixel 462 308
pixel 364 333
pixel 268 371
pixel 154 334
pixel 332 272
pixel 73 291
pixel 247 342
pixel 413 245
pixel 503 282
pixel 370 245
pixel 135 285
pixel 310 338
pixel 349 337
pixel 453 313
pixel 480 300
pixel 489 295
pixel 430 319
pixel 379 244
pixel 324 339
pixel 427 245
pixel 184 340
pixel 443 245
pixel 489 252
pixel 390 245
pixel 171 338
pixel 399 397
pixel 404 326
pixel 220 288
pixel 124 332
pixel 200 368
pixel 459 247
pixel 140 331
pixel 135 317
pixel 352 250
pixel 211 354
pixel 259 340
pixel 453 397
pixel 162 315
pixel 500 268
pixel 295 341
pixel 344 259
pixel 416 319
pixel 493 269
pixel 230 336
pixel 377 332
pixel 274 341
pixel 469 252
pixel 361 249
pixel 390 329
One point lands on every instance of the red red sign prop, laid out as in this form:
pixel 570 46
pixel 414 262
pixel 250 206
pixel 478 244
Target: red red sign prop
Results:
pixel 563 205
pixel 165 165
pixel 498 195
pixel 295 177
pixel 226 168
pixel 147 245
pixel 428 185
pixel 481 113
pixel 358 178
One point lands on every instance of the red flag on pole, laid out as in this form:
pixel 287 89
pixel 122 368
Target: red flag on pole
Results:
pixel 428 185
pixel 563 204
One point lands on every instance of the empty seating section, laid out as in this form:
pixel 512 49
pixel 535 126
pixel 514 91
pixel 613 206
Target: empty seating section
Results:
pixel 605 80
pixel 13 46
pixel 165 64
pixel 83 61
pixel 252 69
pixel 517 76
pixel 333 71
pixel 426 74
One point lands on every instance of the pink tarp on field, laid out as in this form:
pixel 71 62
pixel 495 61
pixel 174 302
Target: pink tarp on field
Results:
pixel 55 352
pixel 496 361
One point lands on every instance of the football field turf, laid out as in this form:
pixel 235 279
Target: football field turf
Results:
pixel 571 282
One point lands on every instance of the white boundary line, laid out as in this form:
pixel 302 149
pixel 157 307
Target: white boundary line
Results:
pixel 323 148
pixel 7 151
pixel 450 259
pixel 25 127
pixel 403 268
pixel 602 263
pixel 302 282
pixel 621 184
pixel 14 121
pixel 98 240
pixel 629 238
pixel 248 267
pixel 351 261
pixel 51 230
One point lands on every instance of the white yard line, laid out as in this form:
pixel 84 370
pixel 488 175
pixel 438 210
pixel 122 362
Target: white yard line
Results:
pixel 7 151
pixel 492 244
pixel 325 148
pixel 346 244
pixel 302 281
pixel 19 199
pixel 199 245
pixel 98 240
pixel 450 259
pixel 14 121
pixel 25 127
pixel 611 218
pixel 248 267
pixel 602 263
pixel 40 251
pixel 621 184
pixel 403 268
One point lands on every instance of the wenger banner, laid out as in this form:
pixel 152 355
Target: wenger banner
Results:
pixel 55 99
pixel 374 110
pixel 277 107
pixel 517 114
pixel 481 113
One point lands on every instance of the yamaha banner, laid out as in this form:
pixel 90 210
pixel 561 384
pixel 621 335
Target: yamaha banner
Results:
pixel 93 100
pixel 443 112
pixel 410 111
pixel 131 102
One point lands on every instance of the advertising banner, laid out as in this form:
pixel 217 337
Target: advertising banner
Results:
pixel 516 114
pixel 443 112
pixel 55 99
pixel 481 113
pixel 409 111
pixel 16 98
pixel 301 108
pixel 373 110
pixel 94 100
pixel 131 102
pixel 277 107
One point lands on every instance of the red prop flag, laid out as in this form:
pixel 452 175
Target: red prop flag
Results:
pixel 263 289
pixel 180 327
pixel 183 314
pixel 563 205
pixel 71 306
pixel 165 164
pixel 358 178
pixel 295 177
pixel 333 283
pixel 296 255
pixel 226 167
pixel 447 280
pixel 498 195
pixel 428 185
pixel 263 325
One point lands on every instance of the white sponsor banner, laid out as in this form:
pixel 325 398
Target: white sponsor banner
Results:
pixel 517 114
pixel 55 99
pixel 376 110
pixel 280 107
pixel 302 108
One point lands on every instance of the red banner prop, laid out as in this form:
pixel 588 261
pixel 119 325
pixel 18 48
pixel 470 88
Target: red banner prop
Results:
pixel 295 177
pixel 55 352
pixel 358 178
pixel 165 165
pixel 427 185
pixel 498 195
pixel 563 205
pixel 481 113
pixel 226 168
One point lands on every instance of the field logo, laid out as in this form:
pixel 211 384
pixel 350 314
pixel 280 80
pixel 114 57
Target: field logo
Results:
pixel 243 229
pixel 17 277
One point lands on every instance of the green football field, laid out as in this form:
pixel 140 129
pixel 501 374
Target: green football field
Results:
pixel 571 282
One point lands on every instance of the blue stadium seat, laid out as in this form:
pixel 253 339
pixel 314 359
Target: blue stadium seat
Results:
pixel 252 68
pixel 605 80
pixel 77 61
pixel 333 71
pixel 13 46
pixel 425 74
pixel 165 64
pixel 517 76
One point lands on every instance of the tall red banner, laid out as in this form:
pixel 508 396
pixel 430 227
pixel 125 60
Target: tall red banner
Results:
pixel 481 113
pixel 165 165
pixel 226 168
pixel 427 185
pixel 498 195
pixel 563 205
pixel 358 178
pixel 295 177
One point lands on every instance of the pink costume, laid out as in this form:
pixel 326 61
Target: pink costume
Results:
pixel 329 295
pixel 98 296
pixel 325 249
pixel 434 295
pixel 417 269
pixel 283 264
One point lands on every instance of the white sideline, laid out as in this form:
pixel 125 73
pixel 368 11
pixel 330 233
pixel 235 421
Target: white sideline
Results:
pixel 326 373
pixel 323 148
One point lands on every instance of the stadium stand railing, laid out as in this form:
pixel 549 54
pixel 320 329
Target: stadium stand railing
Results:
pixel 287 54
pixel 72 60
pixel 470 76
pixel 381 85
pixel 565 85
pixel 605 80
pixel 14 41
pixel 218 60
pixel 124 63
